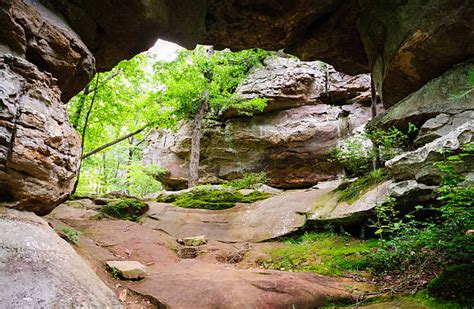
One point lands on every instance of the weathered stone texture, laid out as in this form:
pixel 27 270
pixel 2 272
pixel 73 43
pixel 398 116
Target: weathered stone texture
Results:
pixel 39 149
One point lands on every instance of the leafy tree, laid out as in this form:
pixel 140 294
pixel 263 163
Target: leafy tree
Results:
pixel 202 83
pixel 117 109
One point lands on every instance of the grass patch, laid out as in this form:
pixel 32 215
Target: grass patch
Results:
pixel 126 209
pixel 351 192
pixel 215 199
pixel 323 253
pixel 69 234
pixel 455 283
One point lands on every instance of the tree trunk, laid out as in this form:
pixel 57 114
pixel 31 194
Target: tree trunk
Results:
pixel 373 109
pixel 194 157
pixel 196 143
pixel 373 105
pixel 84 130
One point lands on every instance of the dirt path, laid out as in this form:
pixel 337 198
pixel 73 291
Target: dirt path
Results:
pixel 216 278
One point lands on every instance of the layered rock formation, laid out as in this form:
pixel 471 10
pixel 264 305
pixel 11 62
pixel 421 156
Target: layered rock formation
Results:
pixel 290 141
pixel 39 149
pixel 405 43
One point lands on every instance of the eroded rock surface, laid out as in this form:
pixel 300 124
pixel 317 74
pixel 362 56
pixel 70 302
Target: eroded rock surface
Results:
pixel 419 164
pixel 210 279
pixel 39 149
pixel 290 141
pixel 40 270
pixel 31 31
pixel 436 108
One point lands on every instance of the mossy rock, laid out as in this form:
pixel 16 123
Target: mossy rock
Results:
pixel 455 283
pixel 126 209
pixel 216 199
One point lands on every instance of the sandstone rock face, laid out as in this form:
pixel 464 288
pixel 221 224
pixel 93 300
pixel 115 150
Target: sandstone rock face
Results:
pixel 291 145
pixel 433 108
pixel 411 42
pixel 37 34
pixel 418 164
pixel 39 149
pixel 40 270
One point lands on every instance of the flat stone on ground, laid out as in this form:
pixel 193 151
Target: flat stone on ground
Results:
pixel 128 269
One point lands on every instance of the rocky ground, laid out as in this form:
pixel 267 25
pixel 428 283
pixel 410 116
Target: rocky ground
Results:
pixel 223 273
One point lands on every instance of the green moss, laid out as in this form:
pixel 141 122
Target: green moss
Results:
pixel 455 283
pixel 216 200
pixel 126 209
pixel 351 192
pixel 322 253
pixel 247 181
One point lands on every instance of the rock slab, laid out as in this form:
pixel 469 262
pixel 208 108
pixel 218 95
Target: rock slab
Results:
pixel 128 269
pixel 40 270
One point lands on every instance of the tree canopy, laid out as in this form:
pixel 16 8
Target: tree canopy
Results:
pixel 143 93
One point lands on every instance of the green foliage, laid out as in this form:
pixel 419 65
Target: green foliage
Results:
pixel 455 283
pixel 391 141
pixel 247 181
pixel 188 77
pixel 115 273
pixel 463 94
pixel 352 191
pixel 421 247
pixel 323 253
pixel 126 209
pixel 205 198
pixel 70 234
pixel 145 92
pixel 354 155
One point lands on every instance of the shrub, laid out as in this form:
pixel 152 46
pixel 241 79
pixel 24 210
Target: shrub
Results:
pixel 417 249
pixel 454 283
pixel 126 209
pixel 355 155
pixel 248 181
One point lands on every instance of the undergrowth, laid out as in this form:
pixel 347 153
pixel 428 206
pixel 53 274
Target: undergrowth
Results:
pixel 69 234
pixel 321 252
pixel 126 209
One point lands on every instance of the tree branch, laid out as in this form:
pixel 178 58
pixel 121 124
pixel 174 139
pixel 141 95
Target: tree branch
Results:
pixel 118 140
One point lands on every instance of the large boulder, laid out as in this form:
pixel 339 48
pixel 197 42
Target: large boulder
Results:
pixel 39 149
pixel 40 270
pixel 419 164
pixel 291 140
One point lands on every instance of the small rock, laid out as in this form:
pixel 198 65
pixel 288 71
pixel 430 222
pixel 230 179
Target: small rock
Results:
pixel 469 232
pixel 267 189
pixel 193 241
pixel 128 269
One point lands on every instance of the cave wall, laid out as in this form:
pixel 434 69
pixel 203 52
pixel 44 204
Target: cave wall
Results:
pixel 404 43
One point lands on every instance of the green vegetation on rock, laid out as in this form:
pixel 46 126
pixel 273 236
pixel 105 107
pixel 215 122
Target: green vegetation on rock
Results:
pixel 322 253
pixel 350 192
pixel 69 234
pixel 205 198
pixel 247 181
pixel 126 209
